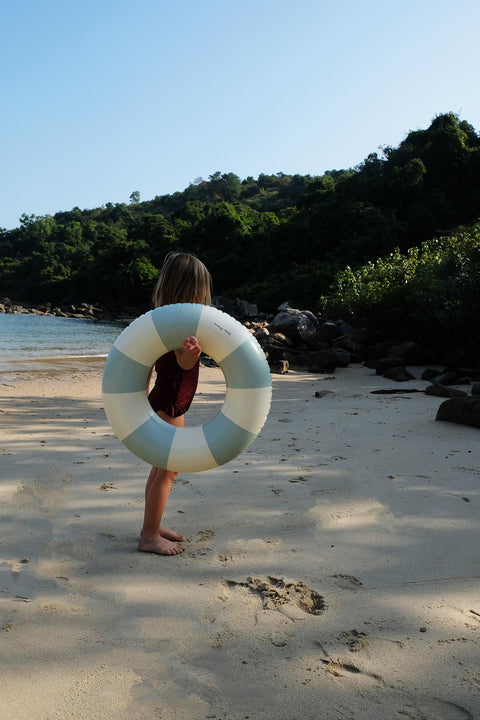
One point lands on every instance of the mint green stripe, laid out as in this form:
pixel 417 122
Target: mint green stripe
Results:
pixel 152 441
pixel 246 367
pixel 226 439
pixel 121 374
pixel 174 323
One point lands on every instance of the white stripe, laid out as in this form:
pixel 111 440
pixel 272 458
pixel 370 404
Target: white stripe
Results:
pixel 190 451
pixel 247 407
pixel 220 334
pixel 126 411
pixel 140 341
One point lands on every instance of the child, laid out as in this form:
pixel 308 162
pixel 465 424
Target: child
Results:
pixel 183 279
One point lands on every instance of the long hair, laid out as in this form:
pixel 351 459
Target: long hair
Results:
pixel 183 279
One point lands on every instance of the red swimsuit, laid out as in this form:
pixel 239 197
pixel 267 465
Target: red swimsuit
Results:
pixel 174 388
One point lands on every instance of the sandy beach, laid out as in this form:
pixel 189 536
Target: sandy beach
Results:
pixel 331 571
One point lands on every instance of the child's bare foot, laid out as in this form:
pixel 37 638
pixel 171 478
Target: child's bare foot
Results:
pixel 160 545
pixel 171 535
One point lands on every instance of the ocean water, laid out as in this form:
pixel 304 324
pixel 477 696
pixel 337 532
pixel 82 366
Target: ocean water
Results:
pixel 29 337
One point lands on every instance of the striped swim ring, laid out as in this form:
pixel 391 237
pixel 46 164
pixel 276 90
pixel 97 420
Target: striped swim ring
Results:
pixel 189 449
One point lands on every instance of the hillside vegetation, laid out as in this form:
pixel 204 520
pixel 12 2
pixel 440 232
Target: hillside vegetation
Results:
pixel 377 242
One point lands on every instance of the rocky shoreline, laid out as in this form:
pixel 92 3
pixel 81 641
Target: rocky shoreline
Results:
pixel 295 339
pixel 84 311
pixel 299 340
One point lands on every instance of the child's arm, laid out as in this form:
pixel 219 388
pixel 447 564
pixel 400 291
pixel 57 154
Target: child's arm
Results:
pixel 188 355
pixel 148 379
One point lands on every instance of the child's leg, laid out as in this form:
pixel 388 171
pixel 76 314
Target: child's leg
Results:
pixel 153 537
pixel 153 479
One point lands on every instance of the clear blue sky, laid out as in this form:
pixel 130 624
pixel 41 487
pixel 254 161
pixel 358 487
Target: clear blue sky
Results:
pixel 100 98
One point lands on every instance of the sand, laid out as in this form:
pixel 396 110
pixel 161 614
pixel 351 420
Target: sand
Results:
pixel 331 571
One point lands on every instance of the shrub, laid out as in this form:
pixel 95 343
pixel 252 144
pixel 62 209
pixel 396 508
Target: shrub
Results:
pixel 434 287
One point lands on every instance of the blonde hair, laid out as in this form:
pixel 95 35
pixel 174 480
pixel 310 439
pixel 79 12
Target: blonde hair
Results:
pixel 183 279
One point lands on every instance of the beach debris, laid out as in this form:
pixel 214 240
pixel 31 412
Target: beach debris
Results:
pixel 391 391
pixel 322 393
pixel 106 486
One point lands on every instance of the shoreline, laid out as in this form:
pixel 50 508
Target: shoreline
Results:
pixel 82 311
pixel 332 565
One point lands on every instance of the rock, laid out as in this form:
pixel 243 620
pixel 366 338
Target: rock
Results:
pixel 412 353
pixel 442 391
pixel 323 393
pixel 281 339
pixel 298 325
pixel 239 309
pixel 476 388
pixel 465 411
pixel 325 361
pixel 275 345
pixel 245 309
pixel 399 374
pixel 354 343
pixel 347 329
pixel 379 350
pixel 327 332
pixel 280 367
pixel 357 352
pixel 430 374
pixel 386 363
pixel 453 377
pixel 261 334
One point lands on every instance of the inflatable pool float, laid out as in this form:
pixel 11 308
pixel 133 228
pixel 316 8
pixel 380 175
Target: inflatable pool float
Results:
pixel 189 449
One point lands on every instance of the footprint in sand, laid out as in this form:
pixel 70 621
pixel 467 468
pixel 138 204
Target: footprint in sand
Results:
pixel 348 582
pixel 355 639
pixel 276 592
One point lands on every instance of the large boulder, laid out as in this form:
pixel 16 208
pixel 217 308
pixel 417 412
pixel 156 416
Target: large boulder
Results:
pixel 299 325
pixel 465 411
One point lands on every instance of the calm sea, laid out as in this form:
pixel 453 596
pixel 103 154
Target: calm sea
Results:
pixel 29 337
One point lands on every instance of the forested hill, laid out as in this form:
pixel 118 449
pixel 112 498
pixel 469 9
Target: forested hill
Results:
pixel 270 239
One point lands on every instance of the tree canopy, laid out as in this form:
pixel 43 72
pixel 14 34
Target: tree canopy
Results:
pixel 271 239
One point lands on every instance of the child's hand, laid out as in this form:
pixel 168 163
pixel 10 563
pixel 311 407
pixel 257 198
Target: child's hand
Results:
pixel 188 355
